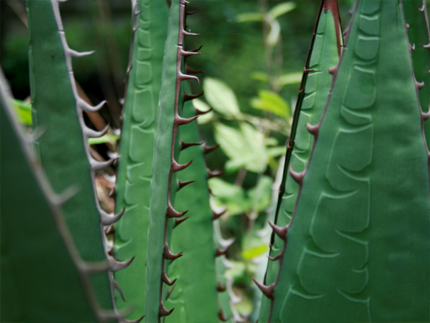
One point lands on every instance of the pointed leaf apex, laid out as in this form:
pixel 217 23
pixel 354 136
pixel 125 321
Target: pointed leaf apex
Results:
pixel 268 291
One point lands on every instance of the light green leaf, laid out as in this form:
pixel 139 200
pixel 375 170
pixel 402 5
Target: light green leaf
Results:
pixel 260 195
pixel 291 78
pixel 249 16
pixel 202 106
pixel 245 146
pixel 229 195
pixel 23 110
pixel 276 151
pixel 254 252
pixel 282 9
pixel 275 30
pixel 260 76
pixel 271 101
pixel 220 97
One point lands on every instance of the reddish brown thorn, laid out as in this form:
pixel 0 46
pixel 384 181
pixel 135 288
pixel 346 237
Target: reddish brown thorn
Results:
pixel 407 26
pixel 312 129
pixel 426 46
pixel 217 215
pixel 169 292
pixel 186 77
pixel 164 311
pixel 308 70
pixel 166 279
pixel 178 167
pixel 186 53
pixel 221 316
pixel 267 290
pixel 214 173
pixel 419 85
pixel 179 221
pixel 172 213
pixel 188 13
pixel 167 254
pixel 188 97
pixel 185 145
pixel 110 251
pixel 332 70
pixel 298 177
pixel 221 288
pixel 208 149
pixel 200 112
pixel 280 231
pixel 110 229
pixel 191 70
pixel 183 184
pixel 220 252
pixel 425 115
pixel 116 286
pixel 277 257
pixel 422 8
pixel 197 49
pixel 301 91
pixel 112 192
pixel 187 33
pixel 181 121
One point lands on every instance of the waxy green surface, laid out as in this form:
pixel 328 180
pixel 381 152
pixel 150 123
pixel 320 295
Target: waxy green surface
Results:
pixel 163 185
pixel 39 279
pixel 419 37
pixel 324 54
pixel 61 142
pixel 136 151
pixel 358 248
pixel 194 296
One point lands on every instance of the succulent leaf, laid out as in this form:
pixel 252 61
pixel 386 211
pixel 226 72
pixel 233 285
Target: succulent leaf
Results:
pixel 323 55
pixel 136 150
pixel 57 110
pixel 43 277
pixel 361 224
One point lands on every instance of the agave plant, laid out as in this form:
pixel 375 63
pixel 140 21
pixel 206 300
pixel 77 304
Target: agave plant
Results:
pixel 350 240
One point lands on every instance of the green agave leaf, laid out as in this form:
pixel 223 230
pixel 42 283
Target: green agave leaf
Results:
pixel 57 116
pixel 165 165
pixel 358 247
pixel 323 55
pixel 419 37
pixel 136 151
pixel 43 278
pixel 195 271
